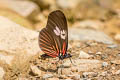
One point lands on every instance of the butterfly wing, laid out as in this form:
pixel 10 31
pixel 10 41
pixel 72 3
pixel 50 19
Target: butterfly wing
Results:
pixel 57 25
pixel 53 39
pixel 46 43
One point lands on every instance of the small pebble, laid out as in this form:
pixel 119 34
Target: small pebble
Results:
pixel 104 56
pixel 76 77
pixel 22 78
pixel 116 62
pixel 47 76
pixel 68 79
pixel 112 46
pixel 83 55
pixel 104 73
pixel 53 78
pixel 90 52
pixel 104 64
pixel 35 70
pixel 98 53
pixel 74 69
pixel 65 71
pixel 86 74
pixel 118 54
pixel 113 68
pixel 117 72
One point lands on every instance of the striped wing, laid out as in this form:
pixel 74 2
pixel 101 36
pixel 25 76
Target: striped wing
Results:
pixel 53 40
pixel 47 43
pixel 57 21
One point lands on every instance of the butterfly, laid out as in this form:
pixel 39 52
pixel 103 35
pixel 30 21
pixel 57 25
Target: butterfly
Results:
pixel 53 39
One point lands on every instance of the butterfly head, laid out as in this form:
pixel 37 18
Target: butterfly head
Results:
pixel 61 56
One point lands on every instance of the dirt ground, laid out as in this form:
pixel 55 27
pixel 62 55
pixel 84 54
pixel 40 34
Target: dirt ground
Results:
pixel 99 51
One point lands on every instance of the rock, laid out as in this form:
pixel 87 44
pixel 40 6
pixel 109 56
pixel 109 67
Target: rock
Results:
pixel 35 70
pixel 65 71
pixel 68 3
pixel 76 77
pixel 117 37
pixel 104 56
pixel 20 78
pixel 86 74
pixel 68 79
pixel 112 46
pixel 83 55
pixel 7 59
pixel 116 62
pixel 88 34
pixel 103 73
pixel 104 64
pixel 108 4
pixel 53 78
pixel 17 44
pixel 2 72
pixel 89 24
pixel 90 43
pixel 24 8
pixel 113 68
pixel 83 64
pixel 18 19
pixel 98 53
pixel 74 69
pixel 118 54
pixel 117 12
pixel 117 72
pixel 47 76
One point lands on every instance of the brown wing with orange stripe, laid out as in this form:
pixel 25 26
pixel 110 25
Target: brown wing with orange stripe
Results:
pixel 47 43
pixel 57 25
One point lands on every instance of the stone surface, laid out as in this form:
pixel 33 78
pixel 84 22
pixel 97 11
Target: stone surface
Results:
pixel 86 74
pixel 68 3
pixel 16 42
pixel 116 62
pixel 68 79
pixel 7 59
pixel 15 17
pixel 88 34
pixel 24 8
pixel 117 37
pixel 22 78
pixel 2 72
pixel 89 24
pixel 112 46
pixel 117 72
pixel 35 70
pixel 99 53
pixel 83 64
pixel 47 76
pixel 83 54
pixel 53 78
pixel 76 77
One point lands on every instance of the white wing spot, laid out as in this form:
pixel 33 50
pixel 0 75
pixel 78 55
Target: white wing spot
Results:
pixel 62 33
pixel 57 31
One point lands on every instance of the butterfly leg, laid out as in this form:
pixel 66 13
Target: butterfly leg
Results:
pixel 72 62
pixel 69 56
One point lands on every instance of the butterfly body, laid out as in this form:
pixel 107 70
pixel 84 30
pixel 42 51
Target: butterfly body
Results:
pixel 53 39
